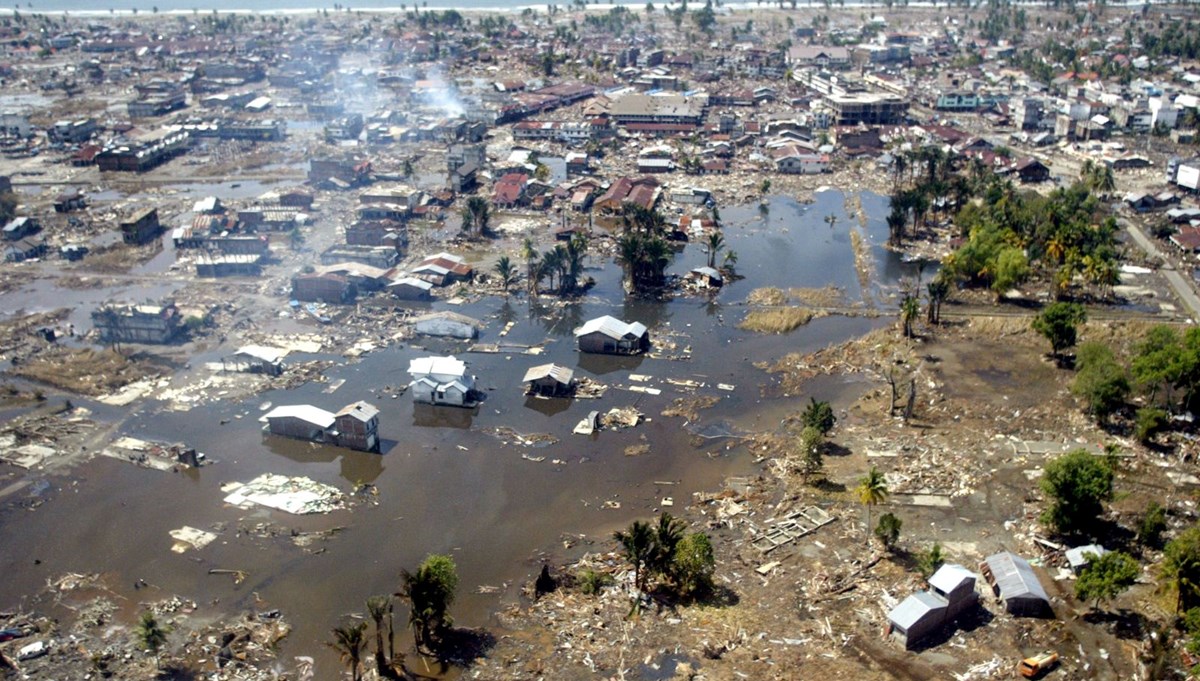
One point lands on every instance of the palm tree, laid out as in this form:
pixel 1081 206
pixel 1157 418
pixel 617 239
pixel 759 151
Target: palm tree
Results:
pixel 831 219
pixel 429 592
pixel 716 242
pixel 152 634
pixel 939 290
pixel 475 216
pixel 377 609
pixel 349 641
pixel 910 309
pixel 896 222
pixel 667 535
pixel 637 545
pixel 507 272
pixel 551 263
pixel 871 490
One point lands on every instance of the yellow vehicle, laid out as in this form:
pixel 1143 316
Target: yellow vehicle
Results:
pixel 1036 665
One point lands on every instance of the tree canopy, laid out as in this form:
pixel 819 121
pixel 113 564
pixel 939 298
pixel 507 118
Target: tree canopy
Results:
pixel 1078 483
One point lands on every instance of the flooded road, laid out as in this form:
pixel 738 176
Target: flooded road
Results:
pixel 446 481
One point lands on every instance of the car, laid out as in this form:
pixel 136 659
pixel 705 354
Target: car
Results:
pixel 10 634
pixel 1034 666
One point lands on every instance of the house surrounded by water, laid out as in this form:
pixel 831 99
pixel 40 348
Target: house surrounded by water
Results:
pixel 442 381
pixel 611 336
pixel 356 426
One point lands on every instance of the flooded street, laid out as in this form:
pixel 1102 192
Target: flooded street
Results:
pixel 447 481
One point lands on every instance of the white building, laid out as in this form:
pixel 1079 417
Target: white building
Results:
pixel 441 380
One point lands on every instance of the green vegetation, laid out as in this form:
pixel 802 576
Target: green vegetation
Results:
pixel 476 216
pixel 430 593
pixel 1106 577
pixel 819 414
pixel 349 640
pixel 682 562
pixel 642 247
pixel 151 634
pixel 1152 525
pixel 1077 483
pixel 871 490
pixel 507 272
pixel 811 446
pixel 1059 323
pixel 929 561
pixel 1180 569
pixel 888 530
pixel 1100 380
pixel 592 582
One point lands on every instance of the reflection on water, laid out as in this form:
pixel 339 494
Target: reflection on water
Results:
pixel 599 365
pixel 431 416
pixel 549 406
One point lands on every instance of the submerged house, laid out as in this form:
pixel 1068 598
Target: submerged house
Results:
pixel 255 359
pixel 138 323
pixel 611 336
pixel 549 380
pixel 442 381
pixel 951 594
pixel 1012 580
pixel 356 426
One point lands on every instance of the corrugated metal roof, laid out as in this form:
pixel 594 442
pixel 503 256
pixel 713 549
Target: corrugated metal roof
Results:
pixel 949 577
pixel 359 410
pixel 912 609
pixel 442 366
pixel 1077 557
pixel 561 374
pixel 304 412
pixel 1014 576
pixel 611 327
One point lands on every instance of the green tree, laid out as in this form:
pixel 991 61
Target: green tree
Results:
pixel 811 446
pixel 819 415
pixel 151 634
pixel 1078 483
pixel 507 272
pixel 1158 362
pixel 349 640
pixel 888 530
pixel 939 291
pixel 430 592
pixel 871 490
pixel 8 207
pixel 764 187
pixel 1012 268
pixel 637 547
pixel 694 564
pixel 1148 422
pixel 1100 380
pixel 476 216
pixel 1059 324
pixel 929 561
pixel 1153 523
pixel 1106 577
pixel 1180 569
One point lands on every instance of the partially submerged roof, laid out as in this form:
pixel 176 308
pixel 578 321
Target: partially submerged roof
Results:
pixel 1015 577
pixel 612 327
pixel 559 373
pixel 305 412
pixel 914 608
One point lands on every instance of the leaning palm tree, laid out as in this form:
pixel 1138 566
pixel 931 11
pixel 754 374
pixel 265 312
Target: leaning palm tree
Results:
pixel 349 641
pixel 637 545
pixel 716 242
pixel 507 273
pixel 377 609
pixel 872 489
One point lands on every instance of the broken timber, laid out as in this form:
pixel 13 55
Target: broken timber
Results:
pixel 795 525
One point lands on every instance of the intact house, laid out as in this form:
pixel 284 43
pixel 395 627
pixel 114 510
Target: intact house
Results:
pixel 411 288
pixel 917 618
pixel 611 336
pixel 138 323
pixel 549 380
pixel 1013 581
pixel 442 381
pixel 141 228
pixel 794 159
pixel 327 288
pixel 356 426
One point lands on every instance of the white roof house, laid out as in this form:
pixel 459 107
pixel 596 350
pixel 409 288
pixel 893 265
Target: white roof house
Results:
pixel 611 327
pixel 304 412
pixel 440 369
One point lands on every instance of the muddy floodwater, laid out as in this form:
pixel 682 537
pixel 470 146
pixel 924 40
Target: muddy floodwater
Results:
pixel 447 480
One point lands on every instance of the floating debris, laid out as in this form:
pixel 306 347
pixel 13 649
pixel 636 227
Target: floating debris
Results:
pixel 294 495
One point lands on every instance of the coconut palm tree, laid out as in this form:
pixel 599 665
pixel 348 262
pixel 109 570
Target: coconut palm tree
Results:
pixel 429 592
pixel 349 641
pixel 716 242
pixel 377 609
pixel 667 535
pixel 507 273
pixel 939 290
pixel 475 216
pixel 872 489
pixel 637 545
pixel 832 220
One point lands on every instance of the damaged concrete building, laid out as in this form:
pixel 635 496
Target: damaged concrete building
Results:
pixel 138 323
